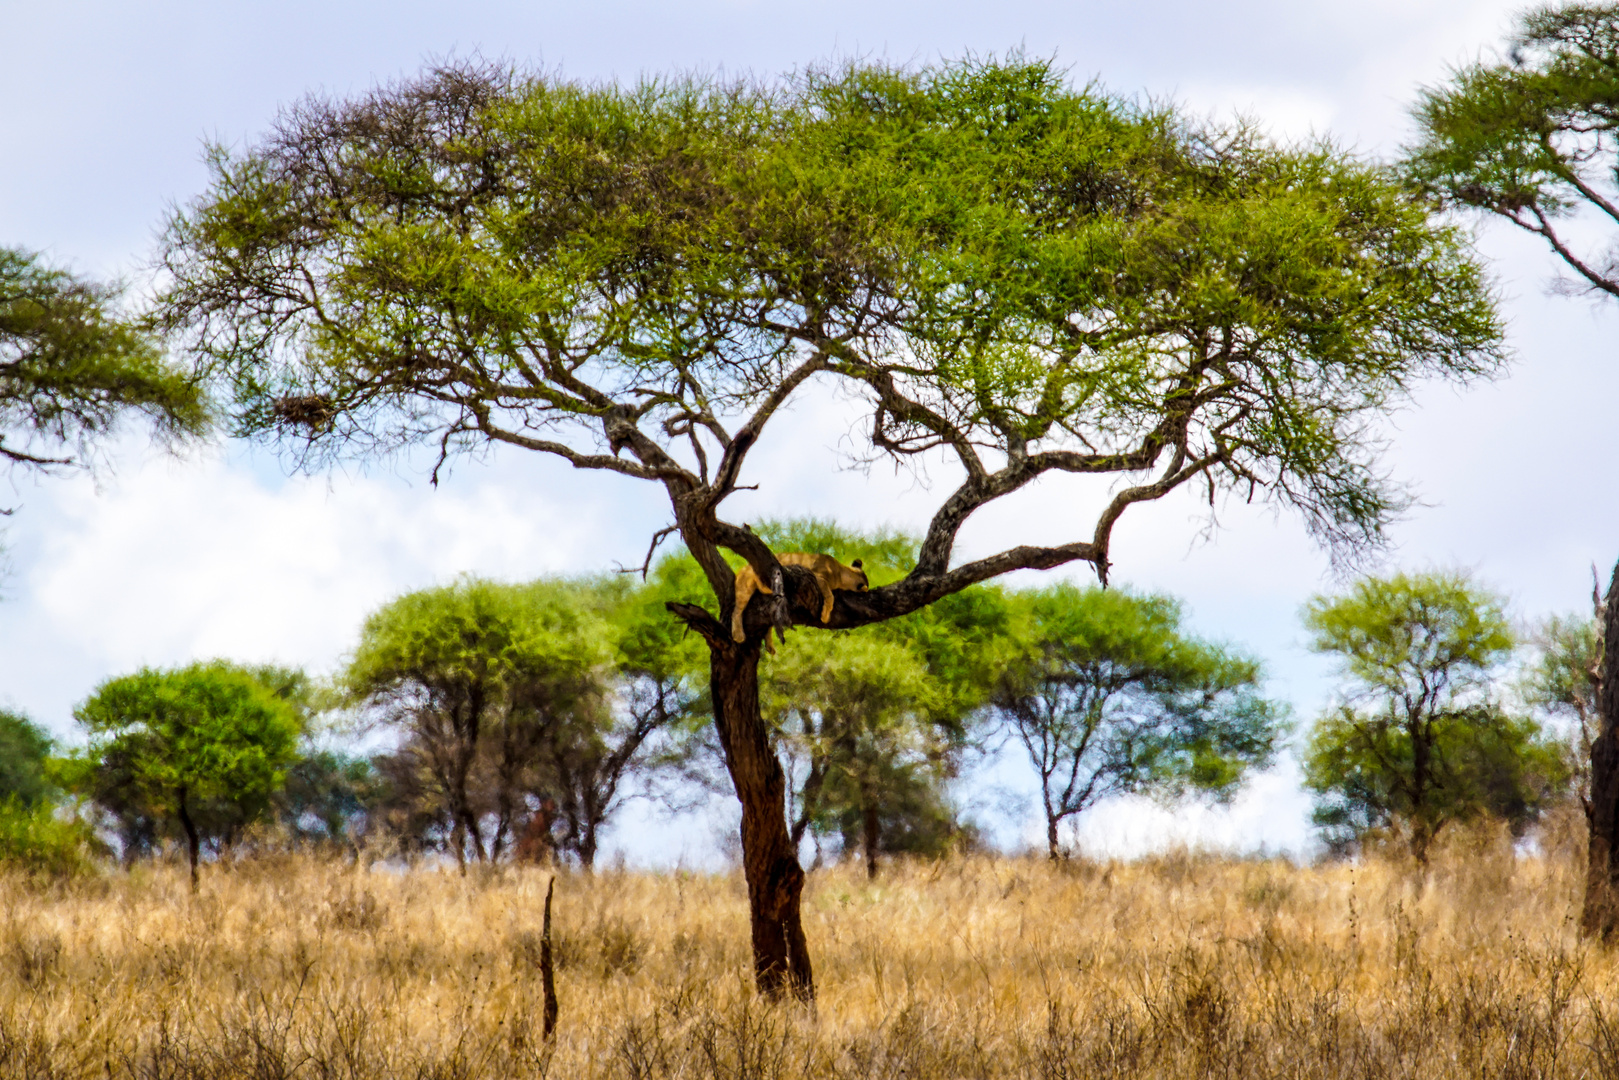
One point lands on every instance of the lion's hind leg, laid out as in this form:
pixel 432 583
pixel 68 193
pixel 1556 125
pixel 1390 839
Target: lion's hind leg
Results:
pixel 744 593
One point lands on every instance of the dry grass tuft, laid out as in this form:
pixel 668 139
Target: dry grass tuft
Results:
pixel 1180 965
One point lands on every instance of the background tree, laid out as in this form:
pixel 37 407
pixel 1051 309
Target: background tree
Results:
pixel 1025 278
pixel 328 798
pixel 476 675
pixel 1421 738
pixel 1531 138
pixel 523 709
pixel 32 836
pixel 654 690
pixel 70 369
pixel 1112 697
pixel 854 709
pixel 203 747
pixel 1564 680
pixel 24 748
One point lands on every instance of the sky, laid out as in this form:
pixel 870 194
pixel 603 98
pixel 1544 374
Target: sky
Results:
pixel 160 559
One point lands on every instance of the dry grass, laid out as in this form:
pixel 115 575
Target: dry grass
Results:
pixel 1175 966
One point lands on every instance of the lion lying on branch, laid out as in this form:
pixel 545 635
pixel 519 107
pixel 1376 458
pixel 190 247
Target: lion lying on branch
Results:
pixel 829 575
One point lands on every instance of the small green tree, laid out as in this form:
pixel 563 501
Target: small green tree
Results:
pixel 656 694
pixel 1564 680
pixel 70 369
pixel 1420 738
pixel 32 837
pixel 523 707
pixel 854 709
pixel 327 796
pixel 204 747
pixel 1112 697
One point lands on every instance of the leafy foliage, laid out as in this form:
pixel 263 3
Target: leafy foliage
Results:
pixel 1489 762
pixel 1563 682
pixel 69 368
pixel 992 258
pixel 35 840
pixel 1531 137
pixel 522 708
pixel 24 747
pixel 1420 738
pixel 328 797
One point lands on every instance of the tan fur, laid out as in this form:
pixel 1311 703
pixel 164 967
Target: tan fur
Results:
pixel 829 574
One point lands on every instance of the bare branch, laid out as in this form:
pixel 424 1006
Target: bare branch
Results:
pixel 646 565
pixel 736 451
pixel 574 457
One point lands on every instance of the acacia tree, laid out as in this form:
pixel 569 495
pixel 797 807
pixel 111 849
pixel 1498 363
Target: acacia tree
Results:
pixel 1421 738
pixel 205 747
pixel 583 765
pixel 522 708
pixel 1533 138
pixel 1564 680
pixel 1016 276
pixel 481 678
pixel 24 748
pixel 855 710
pixel 1113 698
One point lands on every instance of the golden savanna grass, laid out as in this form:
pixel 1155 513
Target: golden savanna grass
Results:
pixel 1181 965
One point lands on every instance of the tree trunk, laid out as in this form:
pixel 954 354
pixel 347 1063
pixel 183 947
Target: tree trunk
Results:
pixel 871 835
pixel 1053 852
pixel 781 963
pixel 587 847
pixel 193 842
pixel 1600 919
pixel 1421 749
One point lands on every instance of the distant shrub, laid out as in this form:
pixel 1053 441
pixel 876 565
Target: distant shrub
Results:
pixel 24 746
pixel 35 840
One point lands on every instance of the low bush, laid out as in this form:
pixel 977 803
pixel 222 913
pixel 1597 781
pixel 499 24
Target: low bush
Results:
pixel 34 840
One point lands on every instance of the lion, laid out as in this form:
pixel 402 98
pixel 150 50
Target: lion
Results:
pixel 829 574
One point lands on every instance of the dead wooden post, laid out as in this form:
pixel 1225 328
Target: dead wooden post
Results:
pixel 548 982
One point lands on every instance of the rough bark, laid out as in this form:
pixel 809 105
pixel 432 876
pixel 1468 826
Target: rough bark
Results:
pixel 781 963
pixel 1600 918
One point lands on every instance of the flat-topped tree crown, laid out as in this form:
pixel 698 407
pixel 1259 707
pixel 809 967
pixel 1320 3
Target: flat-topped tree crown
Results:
pixel 1020 276
pixel 1025 277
